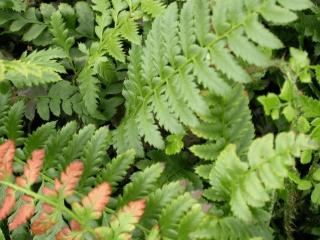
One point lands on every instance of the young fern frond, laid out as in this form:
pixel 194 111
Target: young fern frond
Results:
pixel 182 56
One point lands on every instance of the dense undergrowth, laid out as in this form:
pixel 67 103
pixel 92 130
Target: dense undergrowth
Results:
pixel 149 119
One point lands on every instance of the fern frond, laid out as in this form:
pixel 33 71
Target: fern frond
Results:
pixel 58 141
pixel 232 228
pixel 171 215
pixel 38 138
pixel 309 106
pixel 152 7
pixel 4 108
pixel 229 121
pixel 22 216
pixel 60 33
pixel 8 203
pixel 31 170
pixel 183 55
pixel 13 122
pixel 141 184
pixel 39 67
pixel 7 151
pixel 88 85
pixel 74 149
pixel 70 178
pixel 129 30
pixel 247 185
pixel 158 200
pixel 115 171
pixel 93 154
pixel 113 44
pixel 16 5
pixel 190 222
pixel 123 223
pixel 96 200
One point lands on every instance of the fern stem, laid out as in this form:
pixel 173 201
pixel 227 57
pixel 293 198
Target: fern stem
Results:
pixel 42 198
pixel 69 212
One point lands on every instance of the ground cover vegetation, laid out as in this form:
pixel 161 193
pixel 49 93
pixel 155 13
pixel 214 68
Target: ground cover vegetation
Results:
pixel 159 119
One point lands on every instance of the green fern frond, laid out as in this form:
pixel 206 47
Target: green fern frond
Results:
pixel 93 154
pixel 74 149
pixel 88 86
pixel 141 184
pixel 60 32
pixel 4 108
pixel 229 121
pixel 171 215
pixel 158 199
pixel 16 5
pixel 190 221
pixel 115 171
pixel 13 122
pixel 113 44
pixel 57 142
pixel 39 138
pixel 231 228
pixel 183 55
pixel 129 30
pixel 152 7
pixel 246 185
pixel 309 106
pixel 39 67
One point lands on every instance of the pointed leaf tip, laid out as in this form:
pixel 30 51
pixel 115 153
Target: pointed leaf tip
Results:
pixel 70 177
pixel 97 199
pixel 7 151
pixel 23 215
pixel 8 204
pixel 32 169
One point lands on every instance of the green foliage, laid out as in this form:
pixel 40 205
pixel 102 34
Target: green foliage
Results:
pixel 176 64
pixel 159 119
pixel 229 121
pixel 248 185
pixel 36 68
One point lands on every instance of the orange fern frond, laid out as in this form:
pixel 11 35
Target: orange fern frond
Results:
pixel 8 204
pixel 75 226
pixel 97 199
pixel 63 234
pixel 136 208
pixel 124 221
pixel 70 178
pixel 31 169
pixel 7 151
pixel 23 215
pixel 67 234
pixel 43 223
